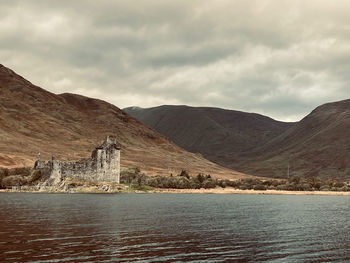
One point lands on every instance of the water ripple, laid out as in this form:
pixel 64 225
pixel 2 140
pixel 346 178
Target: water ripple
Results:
pixel 173 228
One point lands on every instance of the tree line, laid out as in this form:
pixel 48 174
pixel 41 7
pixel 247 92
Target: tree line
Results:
pixel 18 176
pixel 184 181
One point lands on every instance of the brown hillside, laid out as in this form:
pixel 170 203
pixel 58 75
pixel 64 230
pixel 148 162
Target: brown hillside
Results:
pixel 70 126
pixel 220 135
pixel 319 145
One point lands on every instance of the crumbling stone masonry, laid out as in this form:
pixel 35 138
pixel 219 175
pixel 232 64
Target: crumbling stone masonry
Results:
pixel 104 165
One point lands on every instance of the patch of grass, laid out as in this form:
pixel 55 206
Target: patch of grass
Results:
pixel 135 187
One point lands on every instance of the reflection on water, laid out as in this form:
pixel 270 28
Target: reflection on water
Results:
pixel 173 227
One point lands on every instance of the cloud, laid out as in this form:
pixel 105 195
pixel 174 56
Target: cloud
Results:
pixel 281 58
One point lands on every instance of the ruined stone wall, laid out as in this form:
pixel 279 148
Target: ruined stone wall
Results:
pixel 84 169
pixel 104 165
pixel 108 164
pixel 50 171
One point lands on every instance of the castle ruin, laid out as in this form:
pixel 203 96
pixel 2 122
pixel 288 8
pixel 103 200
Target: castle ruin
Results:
pixel 104 165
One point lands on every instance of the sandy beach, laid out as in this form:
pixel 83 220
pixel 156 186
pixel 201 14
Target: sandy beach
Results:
pixel 195 191
pixel 238 191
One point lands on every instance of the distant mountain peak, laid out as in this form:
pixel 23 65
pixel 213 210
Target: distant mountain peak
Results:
pixel 318 145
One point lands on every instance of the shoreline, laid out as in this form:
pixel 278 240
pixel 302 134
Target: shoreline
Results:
pixel 256 192
pixel 190 191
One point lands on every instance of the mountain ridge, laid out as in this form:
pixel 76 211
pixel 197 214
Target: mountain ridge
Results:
pixel 207 130
pixel 70 126
pixel 317 145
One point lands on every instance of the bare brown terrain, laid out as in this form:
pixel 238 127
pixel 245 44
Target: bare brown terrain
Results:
pixel 220 135
pixel 318 145
pixel 70 126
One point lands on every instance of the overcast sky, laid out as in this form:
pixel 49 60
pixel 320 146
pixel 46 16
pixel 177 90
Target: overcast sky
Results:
pixel 278 58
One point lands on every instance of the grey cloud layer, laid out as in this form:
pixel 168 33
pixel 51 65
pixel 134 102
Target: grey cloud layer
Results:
pixel 280 58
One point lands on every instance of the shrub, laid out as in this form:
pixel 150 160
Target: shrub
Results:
pixel 316 185
pixel 222 183
pixel 234 184
pixel 130 175
pixel 183 180
pixel 282 187
pixel 14 177
pixel 35 176
pixel 338 184
pixel 4 172
pixel 345 188
pixel 183 183
pixel 295 179
pixel 200 178
pixel 259 187
pixel 209 183
pixel 185 174
pixel 14 180
pixel 324 188
pixel 24 171
pixel 141 178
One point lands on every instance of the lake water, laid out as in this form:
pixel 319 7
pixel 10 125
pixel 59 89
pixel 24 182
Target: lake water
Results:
pixel 173 228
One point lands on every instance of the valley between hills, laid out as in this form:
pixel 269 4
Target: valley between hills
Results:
pixel 167 139
pixel 70 126
pixel 316 146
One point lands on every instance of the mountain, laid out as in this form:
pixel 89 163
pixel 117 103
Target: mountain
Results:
pixel 220 135
pixel 70 126
pixel 318 145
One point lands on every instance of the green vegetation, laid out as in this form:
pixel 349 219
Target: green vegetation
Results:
pixel 135 187
pixel 293 184
pixel 35 176
pixel 132 175
pixel 183 180
pixel 135 180
pixel 18 177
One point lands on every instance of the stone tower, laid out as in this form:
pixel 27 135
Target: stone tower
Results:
pixel 107 158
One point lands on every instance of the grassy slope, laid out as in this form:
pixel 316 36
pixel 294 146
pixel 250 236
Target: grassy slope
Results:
pixel 70 126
